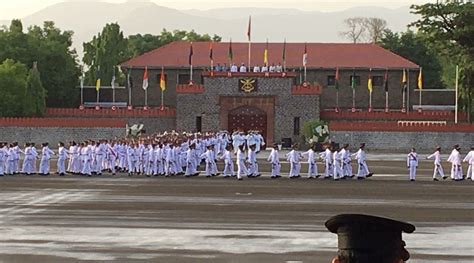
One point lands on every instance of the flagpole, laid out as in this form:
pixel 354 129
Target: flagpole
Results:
pixel 386 101
pixel 98 95
pixel 250 50
pixel 337 100
pixel 370 101
pixel 82 89
pixel 456 94
pixel 408 91
pixel 129 88
pixel 284 56
pixel 146 97
pixel 420 89
pixel 305 73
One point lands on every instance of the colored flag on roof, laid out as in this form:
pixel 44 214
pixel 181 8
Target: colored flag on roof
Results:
pixel 369 82
pixel 97 82
pixel 420 80
pixel 230 54
pixel 385 81
pixel 145 79
pixel 191 54
pixel 249 29
pixel 265 54
pixel 162 80
pixel 336 79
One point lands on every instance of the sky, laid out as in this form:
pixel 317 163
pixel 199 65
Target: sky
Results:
pixel 20 8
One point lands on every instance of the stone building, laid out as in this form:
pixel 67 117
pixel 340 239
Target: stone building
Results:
pixel 276 103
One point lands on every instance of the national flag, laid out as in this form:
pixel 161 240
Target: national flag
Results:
pixel 191 54
pixel 305 55
pixel 97 82
pixel 404 81
pixel 284 52
pixel 385 81
pixel 353 80
pixel 265 54
pixel 336 79
pixel 211 55
pixel 369 82
pixel 145 79
pixel 249 29
pixel 162 80
pixel 420 80
pixel 230 54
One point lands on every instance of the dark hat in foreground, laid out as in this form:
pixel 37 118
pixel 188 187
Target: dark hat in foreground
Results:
pixel 365 232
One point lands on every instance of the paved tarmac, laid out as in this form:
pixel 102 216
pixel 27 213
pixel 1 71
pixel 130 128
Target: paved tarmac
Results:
pixel 139 219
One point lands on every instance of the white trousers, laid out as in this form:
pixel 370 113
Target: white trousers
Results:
pixel 44 166
pixel 312 170
pixel 347 169
pixel 412 170
pixel 241 169
pixel 276 167
pixel 228 168
pixel 328 172
pixel 295 169
pixel 61 165
pixel 438 169
pixel 363 170
pixel 338 171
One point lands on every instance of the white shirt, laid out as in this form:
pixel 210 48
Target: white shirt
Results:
pixel 436 156
pixel 243 69
pixel 360 155
pixel 273 157
pixel 455 157
pixel 412 159
pixel 256 69
pixel 310 155
pixel 234 68
pixel 469 157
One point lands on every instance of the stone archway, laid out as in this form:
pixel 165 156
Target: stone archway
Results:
pixel 248 118
pixel 259 104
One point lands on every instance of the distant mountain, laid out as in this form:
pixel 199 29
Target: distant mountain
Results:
pixel 86 19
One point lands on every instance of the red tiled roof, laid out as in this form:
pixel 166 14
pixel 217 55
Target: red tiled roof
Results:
pixel 320 55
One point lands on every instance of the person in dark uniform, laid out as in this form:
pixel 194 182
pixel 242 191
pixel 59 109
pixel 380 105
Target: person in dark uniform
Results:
pixel 369 239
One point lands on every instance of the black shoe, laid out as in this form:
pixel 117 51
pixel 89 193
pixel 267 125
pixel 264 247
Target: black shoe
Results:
pixel 360 178
pixel 370 174
pixel 240 179
pixel 412 180
pixel 434 179
pixel 445 177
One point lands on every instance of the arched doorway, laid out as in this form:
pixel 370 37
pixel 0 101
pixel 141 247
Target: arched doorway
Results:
pixel 248 118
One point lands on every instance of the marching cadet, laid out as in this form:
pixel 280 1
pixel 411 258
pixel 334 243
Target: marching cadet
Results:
pixel 259 141
pixel 191 161
pixel 228 163
pixel 241 168
pixel 455 160
pixel 131 158
pixel 328 161
pixel 45 157
pixel 86 158
pixel 111 157
pixel 470 160
pixel 312 166
pixel 93 146
pixel 17 151
pixel 208 156
pixel 337 163
pixel 169 160
pixel 438 169
pixel 122 156
pixel 346 161
pixel 2 158
pixel 27 163
pixel 100 154
pixel 9 167
pixel 62 156
pixel 412 164
pixel 369 239
pixel 294 157
pixel 35 155
pixel 252 162
pixel 274 160
pixel 363 169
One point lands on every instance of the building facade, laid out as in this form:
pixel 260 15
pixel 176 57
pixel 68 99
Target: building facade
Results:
pixel 278 104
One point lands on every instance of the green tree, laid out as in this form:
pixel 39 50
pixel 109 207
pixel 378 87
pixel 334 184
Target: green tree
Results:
pixel 103 53
pixel 12 88
pixel 415 47
pixel 35 95
pixel 51 47
pixel 449 25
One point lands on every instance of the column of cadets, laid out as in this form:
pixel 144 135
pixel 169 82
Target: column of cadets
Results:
pixel 171 154
pixel 243 68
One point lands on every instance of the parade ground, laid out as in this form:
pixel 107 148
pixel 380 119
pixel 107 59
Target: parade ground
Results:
pixel 140 219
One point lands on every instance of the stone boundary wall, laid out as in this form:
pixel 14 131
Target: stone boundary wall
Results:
pixel 402 141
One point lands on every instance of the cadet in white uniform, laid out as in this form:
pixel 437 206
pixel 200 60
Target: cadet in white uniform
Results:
pixel 337 163
pixel 2 159
pixel 62 156
pixel 191 169
pixel 346 161
pixel 363 169
pixel 274 160
pixel 208 156
pixel 455 160
pixel 412 164
pixel 470 160
pixel 438 169
pixel 241 168
pixel 328 162
pixel 86 158
pixel 45 157
pixel 252 161
pixel 312 166
pixel 228 163
pixel 294 157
